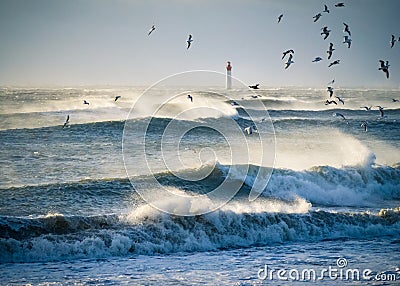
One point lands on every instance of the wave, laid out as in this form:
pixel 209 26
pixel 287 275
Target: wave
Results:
pixel 329 186
pixel 365 185
pixel 146 231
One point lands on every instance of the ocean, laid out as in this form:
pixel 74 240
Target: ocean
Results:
pixel 129 191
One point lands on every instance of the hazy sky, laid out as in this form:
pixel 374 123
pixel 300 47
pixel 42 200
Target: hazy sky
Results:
pixel 88 42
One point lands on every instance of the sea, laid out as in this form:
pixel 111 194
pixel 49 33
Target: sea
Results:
pixel 128 191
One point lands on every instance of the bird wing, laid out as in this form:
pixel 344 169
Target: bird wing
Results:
pixel 386 72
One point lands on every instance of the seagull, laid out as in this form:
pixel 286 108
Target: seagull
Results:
pixel 365 125
pixel 381 111
pixel 85 102
pixel 280 18
pixel 287 52
pixel 325 32
pixel 328 102
pixel 316 17
pixel 384 67
pixel 189 41
pixel 151 30
pixel 330 51
pixel 341 4
pixel 392 41
pixel 334 63
pixel 331 82
pixel 341 115
pixel 340 99
pixel 66 121
pixel 395 100
pixel 249 130
pixel 330 89
pixel 117 97
pixel 346 29
pixel 289 62
pixel 317 59
pixel 347 40
pixel 366 107
pixel 326 10
pixel 190 97
pixel 254 86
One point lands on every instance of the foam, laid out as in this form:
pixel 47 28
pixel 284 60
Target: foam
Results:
pixel 149 232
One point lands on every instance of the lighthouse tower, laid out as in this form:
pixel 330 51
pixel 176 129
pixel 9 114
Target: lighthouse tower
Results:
pixel 228 76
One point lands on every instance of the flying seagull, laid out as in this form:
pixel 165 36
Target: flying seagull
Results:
pixel 66 122
pixel 366 107
pixel 341 4
pixel 289 62
pixel 85 102
pixel 395 100
pixel 330 51
pixel 346 29
pixel 364 124
pixel 334 63
pixel 249 130
pixel 287 52
pixel 392 41
pixel 341 115
pixel 384 67
pixel 189 41
pixel 340 99
pixel 381 110
pixel 280 18
pixel 117 97
pixel 190 97
pixel 328 102
pixel 316 17
pixel 330 90
pixel 331 82
pixel 254 86
pixel 151 30
pixel 317 59
pixel 325 32
pixel 326 10
pixel 347 41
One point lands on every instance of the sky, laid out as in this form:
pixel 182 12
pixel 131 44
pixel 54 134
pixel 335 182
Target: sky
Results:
pixel 105 42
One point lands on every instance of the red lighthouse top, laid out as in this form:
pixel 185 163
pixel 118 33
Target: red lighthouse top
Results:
pixel 228 66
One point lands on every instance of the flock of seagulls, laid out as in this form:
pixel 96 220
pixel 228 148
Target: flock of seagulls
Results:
pixel 188 41
pixel 325 33
pixel 85 102
pixel 384 65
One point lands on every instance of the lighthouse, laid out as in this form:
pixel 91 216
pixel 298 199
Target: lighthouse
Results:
pixel 228 76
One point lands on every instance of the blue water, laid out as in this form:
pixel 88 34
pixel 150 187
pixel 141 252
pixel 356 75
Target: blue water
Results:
pixel 70 211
